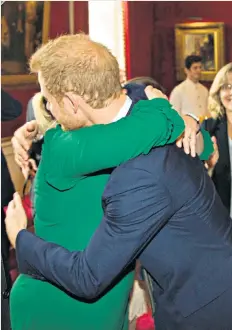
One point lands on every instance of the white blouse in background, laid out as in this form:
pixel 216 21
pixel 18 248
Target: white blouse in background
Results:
pixel 190 97
pixel 230 151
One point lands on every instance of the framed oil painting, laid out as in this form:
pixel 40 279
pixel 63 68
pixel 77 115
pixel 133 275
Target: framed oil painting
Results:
pixel 203 39
pixel 24 27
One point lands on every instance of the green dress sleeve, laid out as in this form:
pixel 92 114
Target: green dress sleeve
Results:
pixel 208 145
pixel 90 149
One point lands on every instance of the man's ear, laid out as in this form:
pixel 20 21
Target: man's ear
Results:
pixel 71 102
pixel 186 71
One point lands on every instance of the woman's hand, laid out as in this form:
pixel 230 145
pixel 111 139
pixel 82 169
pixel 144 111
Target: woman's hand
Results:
pixel 16 219
pixel 22 141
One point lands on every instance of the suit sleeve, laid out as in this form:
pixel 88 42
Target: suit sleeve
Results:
pixel 134 211
pixel 208 128
pixel 10 108
pixel 208 145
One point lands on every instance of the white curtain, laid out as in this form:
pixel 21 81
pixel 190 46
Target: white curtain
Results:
pixel 106 25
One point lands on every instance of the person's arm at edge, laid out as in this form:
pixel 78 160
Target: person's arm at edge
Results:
pixel 201 140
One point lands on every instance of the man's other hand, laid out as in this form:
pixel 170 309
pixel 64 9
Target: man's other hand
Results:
pixel 22 141
pixel 16 219
pixel 188 139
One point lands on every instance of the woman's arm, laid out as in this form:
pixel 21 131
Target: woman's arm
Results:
pixel 208 145
pixel 87 150
pixel 210 126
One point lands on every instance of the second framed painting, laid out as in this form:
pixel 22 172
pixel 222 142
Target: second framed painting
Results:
pixel 25 26
pixel 203 39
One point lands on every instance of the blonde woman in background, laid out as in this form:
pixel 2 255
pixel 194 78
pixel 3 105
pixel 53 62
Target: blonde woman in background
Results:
pixel 220 126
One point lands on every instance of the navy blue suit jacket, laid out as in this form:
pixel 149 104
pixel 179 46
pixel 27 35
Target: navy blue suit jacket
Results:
pixel 222 171
pixel 162 208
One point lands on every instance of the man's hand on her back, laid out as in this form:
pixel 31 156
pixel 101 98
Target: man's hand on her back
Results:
pixel 22 141
pixel 188 139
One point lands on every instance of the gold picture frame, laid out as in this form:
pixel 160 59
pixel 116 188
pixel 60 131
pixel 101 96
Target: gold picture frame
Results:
pixel 25 25
pixel 203 39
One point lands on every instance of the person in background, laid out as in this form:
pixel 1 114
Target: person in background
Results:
pixel 190 95
pixel 10 110
pixel 220 128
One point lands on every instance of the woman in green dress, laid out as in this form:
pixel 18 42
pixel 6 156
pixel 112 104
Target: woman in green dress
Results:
pixel 65 194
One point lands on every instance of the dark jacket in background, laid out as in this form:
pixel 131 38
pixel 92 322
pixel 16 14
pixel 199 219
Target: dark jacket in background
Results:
pixel 222 172
pixel 10 109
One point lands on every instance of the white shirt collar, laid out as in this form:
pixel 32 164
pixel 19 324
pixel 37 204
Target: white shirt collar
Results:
pixel 124 109
pixel 190 82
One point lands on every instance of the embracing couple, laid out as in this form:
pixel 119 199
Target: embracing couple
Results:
pixel 158 205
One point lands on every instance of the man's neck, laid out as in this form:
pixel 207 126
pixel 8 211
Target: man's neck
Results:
pixel 194 81
pixel 106 115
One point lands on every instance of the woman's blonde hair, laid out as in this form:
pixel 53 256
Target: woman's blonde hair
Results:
pixel 44 119
pixel 215 105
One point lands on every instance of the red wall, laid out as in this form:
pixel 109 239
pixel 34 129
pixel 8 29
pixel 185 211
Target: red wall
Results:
pixel 151 30
pixel 151 34
pixel 140 26
pixel 59 24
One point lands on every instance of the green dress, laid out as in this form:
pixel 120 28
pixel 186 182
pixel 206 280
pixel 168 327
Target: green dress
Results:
pixel 65 195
